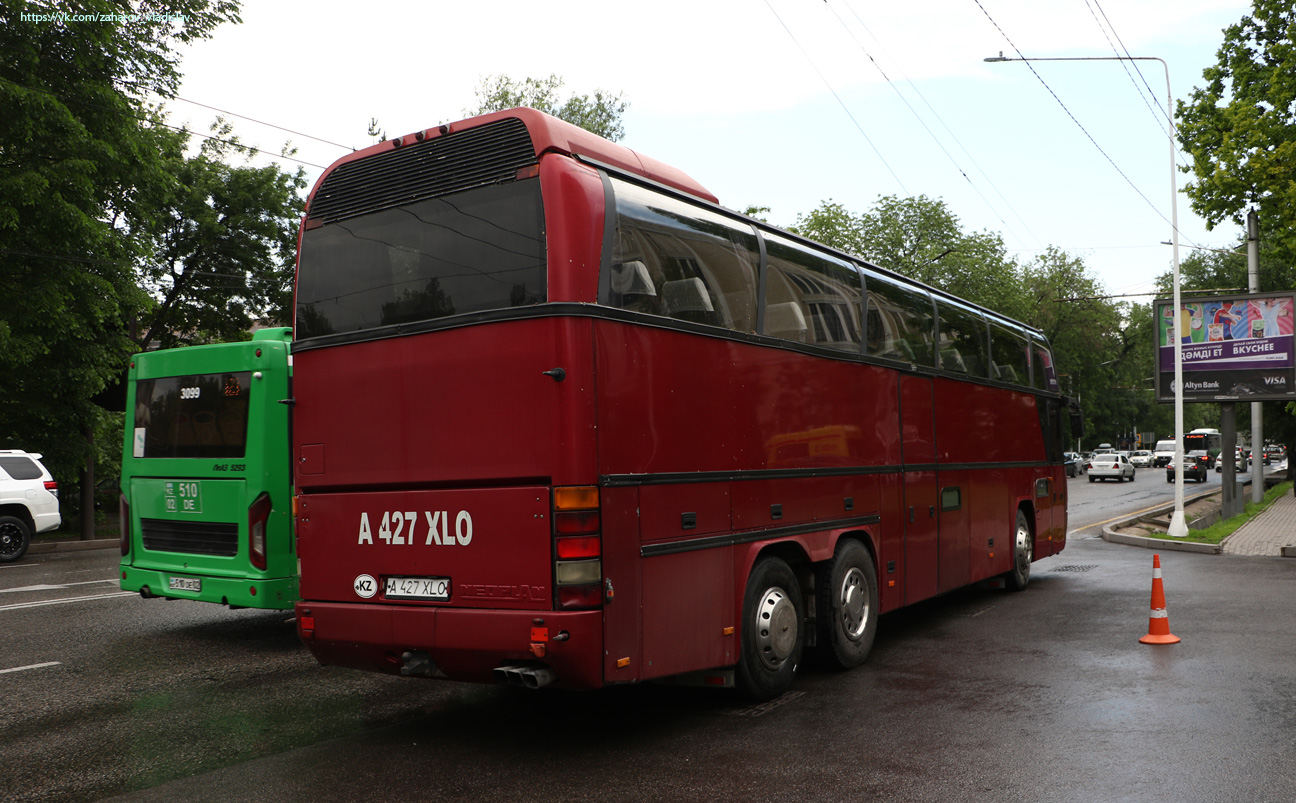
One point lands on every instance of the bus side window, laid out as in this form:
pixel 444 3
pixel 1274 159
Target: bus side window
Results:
pixel 900 321
pixel 1009 355
pixel 811 297
pixel 1043 376
pixel 681 261
pixel 962 346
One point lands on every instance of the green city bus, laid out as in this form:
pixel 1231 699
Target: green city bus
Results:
pixel 206 477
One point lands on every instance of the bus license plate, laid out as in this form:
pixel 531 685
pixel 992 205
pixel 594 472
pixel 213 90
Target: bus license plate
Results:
pixel 434 588
pixel 186 584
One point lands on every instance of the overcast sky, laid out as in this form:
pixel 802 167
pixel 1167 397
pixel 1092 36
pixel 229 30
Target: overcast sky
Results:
pixel 779 103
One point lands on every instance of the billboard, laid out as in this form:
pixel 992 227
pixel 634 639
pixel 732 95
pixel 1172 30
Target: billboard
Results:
pixel 1235 348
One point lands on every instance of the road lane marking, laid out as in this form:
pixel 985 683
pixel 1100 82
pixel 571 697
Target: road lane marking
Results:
pixel 60 587
pixel 1136 513
pixel 30 666
pixel 64 601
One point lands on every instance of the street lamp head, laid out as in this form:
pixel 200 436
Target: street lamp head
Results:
pixel 1000 57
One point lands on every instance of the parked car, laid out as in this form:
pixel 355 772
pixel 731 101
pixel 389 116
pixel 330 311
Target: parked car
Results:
pixel 1196 464
pixel 29 502
pixel 1141 459
pixel 1110 466
pixel 1074 463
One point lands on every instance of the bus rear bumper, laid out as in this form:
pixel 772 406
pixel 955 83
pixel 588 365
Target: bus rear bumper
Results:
pixel 460 644
pixel 277 593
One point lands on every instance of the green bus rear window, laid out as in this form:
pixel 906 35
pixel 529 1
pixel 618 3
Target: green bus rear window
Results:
pixel 203 415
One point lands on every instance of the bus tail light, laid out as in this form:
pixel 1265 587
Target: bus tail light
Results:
pixel 578 547
pixel 258 519
pixel 123 510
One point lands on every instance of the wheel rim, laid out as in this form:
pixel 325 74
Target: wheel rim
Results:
pixel 10 539
pixel 852 601
pixel 776 628
pixel 1024 549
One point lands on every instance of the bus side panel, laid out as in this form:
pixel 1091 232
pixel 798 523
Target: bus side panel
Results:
pixel 891 545
pixel 751 408
pixel 688 605
pixel 622 567
pixel 955 530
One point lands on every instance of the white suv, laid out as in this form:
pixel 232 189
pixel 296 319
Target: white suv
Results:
pixel 28 502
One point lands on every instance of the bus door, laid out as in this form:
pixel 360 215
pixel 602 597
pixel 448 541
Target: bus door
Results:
pixel 918 452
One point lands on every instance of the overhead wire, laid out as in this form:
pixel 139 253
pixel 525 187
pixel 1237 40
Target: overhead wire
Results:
pixel 840 102
pixel 1079 125
pixel 922 122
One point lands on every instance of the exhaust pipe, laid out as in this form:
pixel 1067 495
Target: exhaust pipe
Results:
pixel 538 677
pixel 530 677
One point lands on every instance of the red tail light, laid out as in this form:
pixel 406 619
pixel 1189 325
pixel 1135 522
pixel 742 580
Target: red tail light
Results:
pixel 123 509
pixel 51 486
pixel 578 547
pixel 258 519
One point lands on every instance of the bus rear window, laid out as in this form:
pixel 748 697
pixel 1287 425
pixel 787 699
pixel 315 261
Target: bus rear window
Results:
pixel 204 415
pixel 482 249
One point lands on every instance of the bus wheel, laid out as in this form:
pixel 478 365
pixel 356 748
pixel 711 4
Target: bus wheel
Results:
pixel 848 596
pixel 1023 552
pixel 772 624
pixel 14 538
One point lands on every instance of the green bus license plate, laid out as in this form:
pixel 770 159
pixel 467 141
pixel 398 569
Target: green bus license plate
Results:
pixel 186 584
pixel 433 588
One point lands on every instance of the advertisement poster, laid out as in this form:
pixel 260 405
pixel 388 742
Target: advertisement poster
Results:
pixel 1234 348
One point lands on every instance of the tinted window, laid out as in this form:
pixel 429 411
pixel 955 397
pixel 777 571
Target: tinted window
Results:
pixel 900 320
pixel 20 468
pixel 811 297
pixel 680 261
pixel 962 345
pixel 1009 355
pixel 1042 374
pixel 192 416
pixel 471 251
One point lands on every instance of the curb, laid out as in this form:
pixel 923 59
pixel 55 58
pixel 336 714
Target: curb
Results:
pixel 72 546
pixel 1109 534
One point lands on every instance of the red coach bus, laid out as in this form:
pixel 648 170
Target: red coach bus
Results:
pixel 561 418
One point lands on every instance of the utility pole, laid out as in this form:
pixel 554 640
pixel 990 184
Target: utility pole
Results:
pixel 1257 408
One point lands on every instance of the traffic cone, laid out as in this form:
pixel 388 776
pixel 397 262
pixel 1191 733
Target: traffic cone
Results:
pixel 1158 620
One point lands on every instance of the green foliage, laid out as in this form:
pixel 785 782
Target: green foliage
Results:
pixel 1241 127
pixel 222 245
pixel 599 113
pixel 82 174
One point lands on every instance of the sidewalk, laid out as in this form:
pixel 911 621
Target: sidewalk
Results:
pixel 1273 532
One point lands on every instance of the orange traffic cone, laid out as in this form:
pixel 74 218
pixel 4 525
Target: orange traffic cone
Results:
pixel 1158 620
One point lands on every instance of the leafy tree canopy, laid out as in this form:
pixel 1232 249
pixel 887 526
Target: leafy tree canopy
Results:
pixel 1241 127
pixel 99 205
pixel 599 113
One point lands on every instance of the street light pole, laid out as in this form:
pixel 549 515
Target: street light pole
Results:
pixel 1178 523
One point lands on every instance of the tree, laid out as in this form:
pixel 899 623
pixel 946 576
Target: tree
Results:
pixel 223 244
pixel 600 113
pixel 80 168
pixel 1241 127
pixel 921 238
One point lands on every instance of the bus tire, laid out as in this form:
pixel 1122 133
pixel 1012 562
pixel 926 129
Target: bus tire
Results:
pixel 1023 553
pixel 848 599
pixel 15 537
pixel 773 630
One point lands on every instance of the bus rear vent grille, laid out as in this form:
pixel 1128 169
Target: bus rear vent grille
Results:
pixel 439 166
pixel 190 537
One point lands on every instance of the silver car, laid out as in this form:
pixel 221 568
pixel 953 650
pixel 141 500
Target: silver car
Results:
pixel 1110 466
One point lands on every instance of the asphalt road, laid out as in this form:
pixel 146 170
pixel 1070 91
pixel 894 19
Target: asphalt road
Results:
pixel 981 694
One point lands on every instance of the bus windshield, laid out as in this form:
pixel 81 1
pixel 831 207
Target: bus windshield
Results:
pixel 476 250
pixel 201 415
